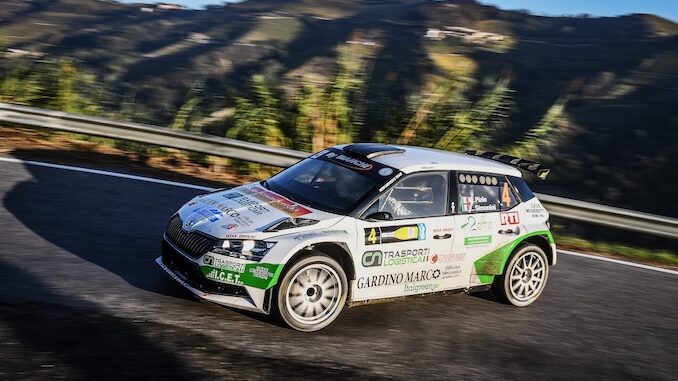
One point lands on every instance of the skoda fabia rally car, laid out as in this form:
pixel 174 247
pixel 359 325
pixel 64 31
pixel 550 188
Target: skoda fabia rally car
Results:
pixel 360 223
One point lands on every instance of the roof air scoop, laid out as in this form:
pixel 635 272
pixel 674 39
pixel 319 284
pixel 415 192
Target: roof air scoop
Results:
pixel 526 165
pixel 371 150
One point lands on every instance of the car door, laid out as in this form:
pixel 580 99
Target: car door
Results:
pixel 397 255
pixel 485 220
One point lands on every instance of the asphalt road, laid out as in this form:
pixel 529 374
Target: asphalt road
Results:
pixel 80 297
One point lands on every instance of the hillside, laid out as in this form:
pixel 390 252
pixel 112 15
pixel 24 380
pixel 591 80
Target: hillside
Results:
pixel 598 94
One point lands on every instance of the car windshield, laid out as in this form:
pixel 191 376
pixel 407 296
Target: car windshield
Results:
pixel 326 185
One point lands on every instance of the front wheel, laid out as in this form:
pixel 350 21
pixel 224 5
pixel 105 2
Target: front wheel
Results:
pixel 312 293
pixel 524 277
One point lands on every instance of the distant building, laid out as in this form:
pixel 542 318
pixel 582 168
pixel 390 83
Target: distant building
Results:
pixel 198 38
pixel 170 6
pixel 468 35
pixel 362 42
pixel 15 53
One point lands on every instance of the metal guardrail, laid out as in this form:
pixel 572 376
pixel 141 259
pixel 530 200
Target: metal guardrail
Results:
pixel 142 133
pixel 281 157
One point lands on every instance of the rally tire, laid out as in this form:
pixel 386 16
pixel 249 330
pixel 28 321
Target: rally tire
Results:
pixel 311 293
pixel 524 277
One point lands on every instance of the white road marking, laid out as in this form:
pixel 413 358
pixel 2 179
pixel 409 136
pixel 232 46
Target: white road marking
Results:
pixel 105 173
pixel 192 186
pixel 619 261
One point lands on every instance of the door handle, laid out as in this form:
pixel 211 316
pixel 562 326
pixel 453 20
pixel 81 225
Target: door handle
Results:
pixel 509 231
pixel 444 236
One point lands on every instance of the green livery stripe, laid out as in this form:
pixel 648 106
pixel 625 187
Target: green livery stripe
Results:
pixel 493 263
pixel 258 275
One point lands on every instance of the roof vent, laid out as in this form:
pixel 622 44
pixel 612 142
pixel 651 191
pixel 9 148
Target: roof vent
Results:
pixel 371 150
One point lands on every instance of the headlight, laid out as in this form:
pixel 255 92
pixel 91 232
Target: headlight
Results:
pixel 243 249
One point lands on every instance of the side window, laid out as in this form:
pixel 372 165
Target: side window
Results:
pixel 418 195
pixel 524 191
pixel 483 193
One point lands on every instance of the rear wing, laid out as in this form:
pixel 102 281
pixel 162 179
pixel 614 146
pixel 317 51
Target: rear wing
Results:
pixel 526 165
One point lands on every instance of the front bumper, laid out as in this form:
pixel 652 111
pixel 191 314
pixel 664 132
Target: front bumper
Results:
pixel 185 271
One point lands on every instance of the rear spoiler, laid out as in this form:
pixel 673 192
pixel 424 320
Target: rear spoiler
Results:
pixel 526 165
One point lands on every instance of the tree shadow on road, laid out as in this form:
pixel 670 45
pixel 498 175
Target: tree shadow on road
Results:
pixel 64 336
pixel 114 223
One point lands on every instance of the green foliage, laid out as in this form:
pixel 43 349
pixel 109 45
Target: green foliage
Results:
pixel 259 119
pixel 23 86
pixel 544 137
pixel 181 119
pixel 638 254
pixel 57 85
pixel 475 124
pixel 332 113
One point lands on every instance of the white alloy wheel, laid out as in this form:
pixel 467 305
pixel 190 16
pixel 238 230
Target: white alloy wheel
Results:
pixel 524 277
pixel 312 293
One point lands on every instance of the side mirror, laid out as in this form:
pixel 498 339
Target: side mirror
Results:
pixel 380 216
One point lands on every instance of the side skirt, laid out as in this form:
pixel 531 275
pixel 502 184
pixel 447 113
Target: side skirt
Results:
pixel 466 290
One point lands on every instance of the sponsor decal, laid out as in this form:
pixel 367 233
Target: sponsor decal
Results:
pixel 385 171
pixel 390 234
pixel 339 231
pixel 477 224
pixel 240 236
pixel 451 271
pixel 277 201
pixel 221 275
pixel 223 263
pixel 478 240
pixel 232 195
pixel 443 230
pixel 398 278
pixel 395 257
pixel 509 218
pixel 372 258
pixel 230 226
pixel 417 288
pixel 447 258
pixel 350 162
pixel 536 210
pixel 211 214
pixel 261 272
pixel 388 183
pixel 252 205
pixel 221 268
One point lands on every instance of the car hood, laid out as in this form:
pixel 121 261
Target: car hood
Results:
pixel 246 211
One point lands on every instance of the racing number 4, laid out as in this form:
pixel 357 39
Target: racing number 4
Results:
pixel 506 195
pixel 372 237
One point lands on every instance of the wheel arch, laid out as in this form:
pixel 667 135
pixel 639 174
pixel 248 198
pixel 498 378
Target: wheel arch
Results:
pixel 544 243
pixel 338 251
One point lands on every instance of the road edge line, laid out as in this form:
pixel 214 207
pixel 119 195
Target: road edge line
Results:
pixel 105 173
pixel 619 261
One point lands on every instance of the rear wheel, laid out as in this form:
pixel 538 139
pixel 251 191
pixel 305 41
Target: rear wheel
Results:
pixel 312 293
pixel 524 277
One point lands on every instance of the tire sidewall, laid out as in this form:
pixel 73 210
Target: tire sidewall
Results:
pixel 280 290
pixel 506 278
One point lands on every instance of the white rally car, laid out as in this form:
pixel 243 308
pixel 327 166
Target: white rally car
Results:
pixel 360 223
